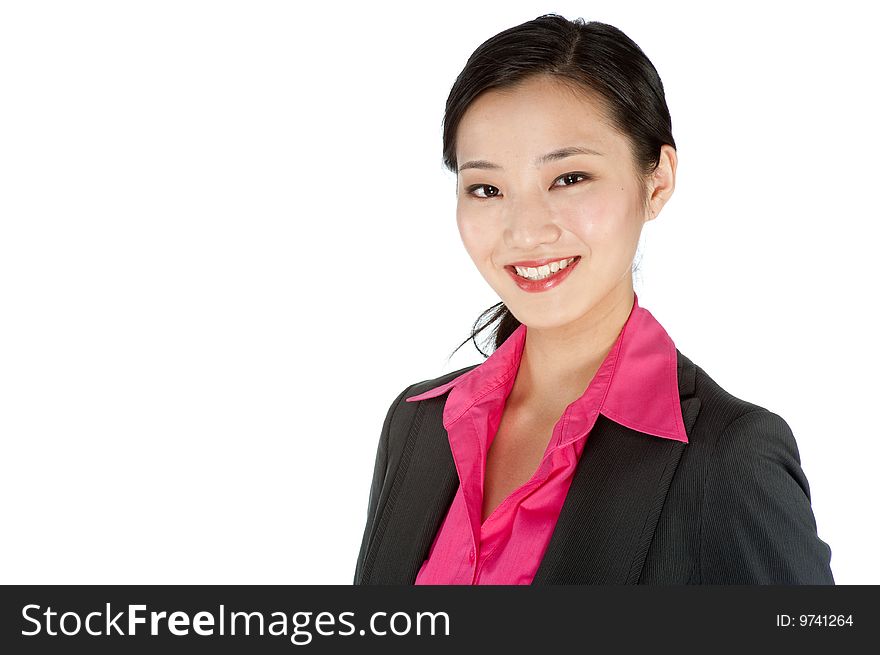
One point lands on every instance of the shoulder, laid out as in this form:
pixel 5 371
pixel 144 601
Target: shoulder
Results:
pixel 758 450
pixel 718 405
pixel 741 439
pixel 723 414
pixel 738 433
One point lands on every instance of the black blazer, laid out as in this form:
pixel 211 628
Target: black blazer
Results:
pixel 732 506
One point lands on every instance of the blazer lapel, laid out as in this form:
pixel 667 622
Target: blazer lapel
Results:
pixel 611 510
pixel 606 522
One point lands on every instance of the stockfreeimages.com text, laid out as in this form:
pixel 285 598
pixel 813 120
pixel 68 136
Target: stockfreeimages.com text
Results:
pixel 203 623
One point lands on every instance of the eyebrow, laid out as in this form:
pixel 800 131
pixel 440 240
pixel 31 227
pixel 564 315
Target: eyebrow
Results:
pixel 554 155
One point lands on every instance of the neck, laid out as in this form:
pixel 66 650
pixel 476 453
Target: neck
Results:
pixel 559 363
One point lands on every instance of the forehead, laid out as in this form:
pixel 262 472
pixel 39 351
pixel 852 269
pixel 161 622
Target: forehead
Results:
pixel 534 117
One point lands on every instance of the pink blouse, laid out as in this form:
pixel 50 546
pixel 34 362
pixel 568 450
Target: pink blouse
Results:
pixel 636 386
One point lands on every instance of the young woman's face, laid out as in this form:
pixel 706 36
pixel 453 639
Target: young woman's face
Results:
pixel 514 207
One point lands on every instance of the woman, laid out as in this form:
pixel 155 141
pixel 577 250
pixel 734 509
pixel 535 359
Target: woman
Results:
pixel 586 449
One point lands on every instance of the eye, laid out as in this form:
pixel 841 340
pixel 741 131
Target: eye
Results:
pixel 474 187
pixel 569 176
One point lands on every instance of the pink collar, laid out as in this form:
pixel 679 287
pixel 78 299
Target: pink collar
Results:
pixel 636 385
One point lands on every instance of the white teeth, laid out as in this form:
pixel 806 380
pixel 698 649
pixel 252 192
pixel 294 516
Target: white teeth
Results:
pixel 542 272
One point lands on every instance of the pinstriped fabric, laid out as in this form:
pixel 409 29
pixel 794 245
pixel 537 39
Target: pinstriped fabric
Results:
pixel 755 507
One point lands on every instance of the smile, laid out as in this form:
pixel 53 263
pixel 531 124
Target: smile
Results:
pixel 542 278
pixel 541 272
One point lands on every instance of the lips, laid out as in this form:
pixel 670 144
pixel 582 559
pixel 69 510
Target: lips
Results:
pixel 535 286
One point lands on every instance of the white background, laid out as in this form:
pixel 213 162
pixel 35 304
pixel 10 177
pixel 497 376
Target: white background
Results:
pixel 210 212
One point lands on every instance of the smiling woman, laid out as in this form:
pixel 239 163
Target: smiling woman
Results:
pixel 585 200
pixel 586 449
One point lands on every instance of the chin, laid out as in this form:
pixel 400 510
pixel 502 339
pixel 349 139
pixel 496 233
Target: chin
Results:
pixel 543 320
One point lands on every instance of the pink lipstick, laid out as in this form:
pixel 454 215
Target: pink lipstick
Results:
pixel 535 286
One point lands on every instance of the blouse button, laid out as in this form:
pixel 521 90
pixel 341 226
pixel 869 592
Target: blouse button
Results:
pixel 471 555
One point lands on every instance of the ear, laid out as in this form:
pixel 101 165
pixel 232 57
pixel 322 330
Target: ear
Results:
pixel 662 181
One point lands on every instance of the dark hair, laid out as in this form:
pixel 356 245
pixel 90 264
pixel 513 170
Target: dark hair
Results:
pixel 592 57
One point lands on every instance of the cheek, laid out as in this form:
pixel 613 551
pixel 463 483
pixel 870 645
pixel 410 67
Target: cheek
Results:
pixel 476 235
pixel 602 219
pixel 593 220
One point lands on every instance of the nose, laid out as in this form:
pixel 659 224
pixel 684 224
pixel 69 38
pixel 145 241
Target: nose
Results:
pixel 529 223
